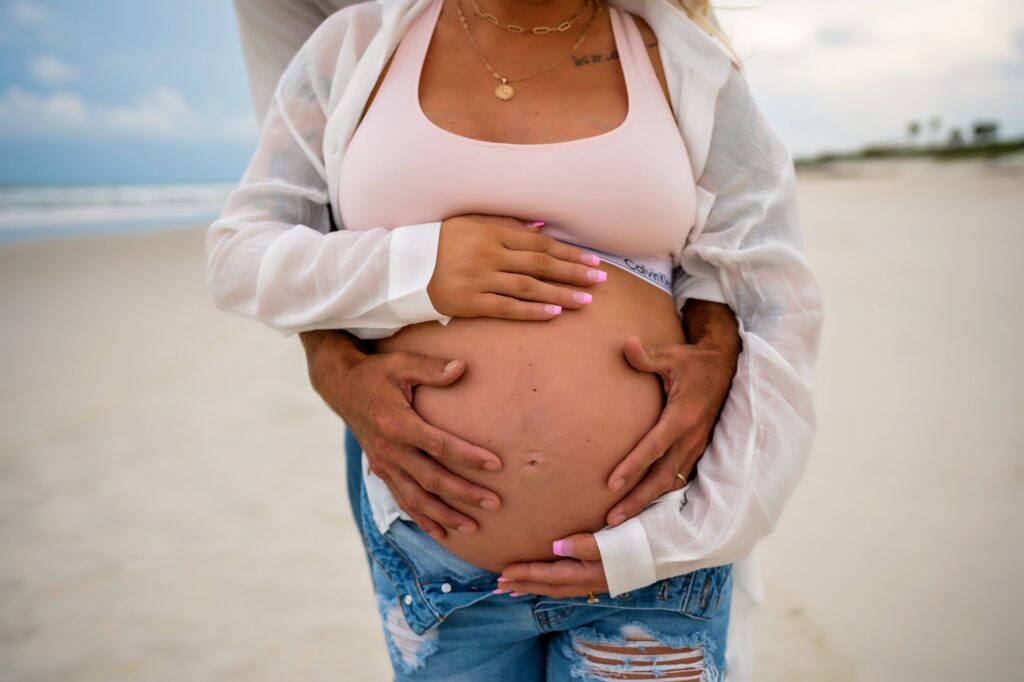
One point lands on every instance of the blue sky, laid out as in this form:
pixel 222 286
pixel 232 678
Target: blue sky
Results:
pixel 111 91
pixel 122 90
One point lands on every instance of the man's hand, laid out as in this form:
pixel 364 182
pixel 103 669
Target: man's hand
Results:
pixel 577 576
pixel 696 377
pixel 372 393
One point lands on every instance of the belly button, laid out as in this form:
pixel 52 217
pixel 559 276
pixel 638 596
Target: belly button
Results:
pixel 533 460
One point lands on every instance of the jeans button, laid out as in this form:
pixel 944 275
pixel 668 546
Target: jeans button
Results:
pixel 408 599
pixel 446 588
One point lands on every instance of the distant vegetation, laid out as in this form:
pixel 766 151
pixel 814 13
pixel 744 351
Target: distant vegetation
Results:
pixel 984 143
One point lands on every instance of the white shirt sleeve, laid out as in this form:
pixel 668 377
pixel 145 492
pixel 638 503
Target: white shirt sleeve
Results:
pixel 697 286
pixel 271 255
pixel 750 250
pixel 271 32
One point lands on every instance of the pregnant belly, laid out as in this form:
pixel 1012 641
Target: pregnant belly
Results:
pixel 556 401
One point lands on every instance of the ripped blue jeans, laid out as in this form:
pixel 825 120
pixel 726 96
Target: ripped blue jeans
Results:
pixel 442 622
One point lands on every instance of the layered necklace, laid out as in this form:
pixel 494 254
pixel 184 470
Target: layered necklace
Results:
pixel 504 91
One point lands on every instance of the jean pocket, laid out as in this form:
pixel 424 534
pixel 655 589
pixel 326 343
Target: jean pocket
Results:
pixel 697 595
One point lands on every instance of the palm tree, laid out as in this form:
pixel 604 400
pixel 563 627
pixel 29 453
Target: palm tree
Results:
pixel 913 130
pixel 935 126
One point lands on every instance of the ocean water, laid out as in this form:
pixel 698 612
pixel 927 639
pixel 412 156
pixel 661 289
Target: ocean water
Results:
pixel 48 212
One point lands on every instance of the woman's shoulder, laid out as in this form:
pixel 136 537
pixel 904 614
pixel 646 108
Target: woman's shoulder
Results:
pixel 646 32
pixel 678 39
pixel 650 43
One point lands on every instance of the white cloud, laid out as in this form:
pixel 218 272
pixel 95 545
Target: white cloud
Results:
pixel 29 13
pixel 51 70
pixel 161 113
pixel 28 113
pixel 838 75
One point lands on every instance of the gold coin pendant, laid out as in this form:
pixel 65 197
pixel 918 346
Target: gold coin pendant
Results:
pixel 504 92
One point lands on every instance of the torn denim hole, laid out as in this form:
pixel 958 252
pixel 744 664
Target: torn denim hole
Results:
pixel 408 650
pixel 638 653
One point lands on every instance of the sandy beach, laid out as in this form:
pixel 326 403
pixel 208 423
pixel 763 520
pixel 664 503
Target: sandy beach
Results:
pixel 172 502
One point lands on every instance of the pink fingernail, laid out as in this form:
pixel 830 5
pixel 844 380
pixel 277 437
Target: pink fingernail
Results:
pixel 553 309
pixel 537 223
pixel 618 483
pixel 581 297
pixel 597 275
pixel 590 259
pixel 618 518
pixel 499 591
pixel 562 548
pixel 504 580
pixel 517 594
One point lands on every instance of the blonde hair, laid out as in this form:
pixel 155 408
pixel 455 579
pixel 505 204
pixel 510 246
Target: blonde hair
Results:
pixel 699 12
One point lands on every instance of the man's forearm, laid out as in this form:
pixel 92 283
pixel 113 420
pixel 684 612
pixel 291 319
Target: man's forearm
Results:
pixel 712 326
pixel 341 341
pixel 329 351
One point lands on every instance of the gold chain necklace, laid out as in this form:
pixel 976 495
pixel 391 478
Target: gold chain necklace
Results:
pixel 537 30
pixel 504 91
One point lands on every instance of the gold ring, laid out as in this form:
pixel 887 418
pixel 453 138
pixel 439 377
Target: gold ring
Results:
pixel 681 477
pixel 591 599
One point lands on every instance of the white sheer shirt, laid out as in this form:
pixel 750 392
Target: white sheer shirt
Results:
pixel 272 256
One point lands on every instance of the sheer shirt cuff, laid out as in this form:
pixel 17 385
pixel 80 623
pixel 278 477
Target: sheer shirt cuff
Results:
pixel 626 556
pixel 412 257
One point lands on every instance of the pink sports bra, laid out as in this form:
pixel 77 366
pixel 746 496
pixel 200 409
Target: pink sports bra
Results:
pixel 627 194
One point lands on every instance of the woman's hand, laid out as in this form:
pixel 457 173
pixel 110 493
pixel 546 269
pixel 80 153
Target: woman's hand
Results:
pixel 696 378
pixel 576 576
pixel 493 266
pixel 373 395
